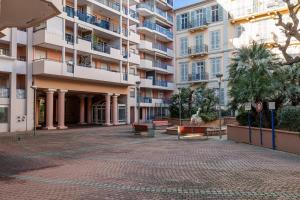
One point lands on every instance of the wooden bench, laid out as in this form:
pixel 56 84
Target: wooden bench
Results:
pixel 160 125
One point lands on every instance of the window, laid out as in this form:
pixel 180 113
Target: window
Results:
pixel 215 64
pixel 215 40
pixel 183 46
pixel 201 17
pixel 199 43
pixel 3 114
pixel 214 13
pixel 184 21
pixel 198 71
pixel 184 73
pixel 132 92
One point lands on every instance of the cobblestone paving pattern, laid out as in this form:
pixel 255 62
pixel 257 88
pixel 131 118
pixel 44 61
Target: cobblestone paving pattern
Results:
pixel 111 163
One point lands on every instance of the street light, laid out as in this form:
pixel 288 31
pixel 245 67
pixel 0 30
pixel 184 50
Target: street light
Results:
pixel 180 123
pixel 34 87
pixel 138 83
pixel 219 76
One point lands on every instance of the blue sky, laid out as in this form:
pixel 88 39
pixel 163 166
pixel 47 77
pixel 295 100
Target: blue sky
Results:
pixel 180 3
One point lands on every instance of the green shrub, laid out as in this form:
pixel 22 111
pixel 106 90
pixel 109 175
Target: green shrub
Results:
pixel 208 117
pixel 289 118
pixel 242 118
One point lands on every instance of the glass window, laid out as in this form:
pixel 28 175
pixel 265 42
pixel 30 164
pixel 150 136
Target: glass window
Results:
pixel 184 46
pixel 3 114
pixel 184 73
pixel 215 66
pixel 215 40
pixel 215 13
pixel 132 92
pixel 184 21
pixel 200 17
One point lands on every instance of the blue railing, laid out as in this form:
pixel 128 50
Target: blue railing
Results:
pixel 198 23
pixel 161 83
pixel 133 14
pixel 145 99
pixel 69 38
pixel 112 4
pixel 198 49
pixel 160 47
pixel 101 48
pixel 100 23
pixel 199 77
pixel 161 65
pixel 70 11
pixel 146 6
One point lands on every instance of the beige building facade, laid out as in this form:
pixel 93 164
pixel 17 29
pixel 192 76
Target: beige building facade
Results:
pixel 203 46
pixel 86 63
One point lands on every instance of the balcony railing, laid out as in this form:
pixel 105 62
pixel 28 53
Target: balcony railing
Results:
pixel 133 14
pixel 158 28
pixel 21 93
pixel 161 65
pixel 146 6
pixel 145 99
pixel 4 92
pixel 100 23
pixel 101 48
pixel 70 38
pixel 4 52
pixel 196 50
pixel 199 77
pixel 170 2
pixel 70 11
pixel 112 4
pixel 161 83
pixel 125 77
pixel 248 8
pixel 198 23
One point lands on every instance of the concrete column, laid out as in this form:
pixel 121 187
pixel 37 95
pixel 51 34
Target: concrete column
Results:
pixel 29 82
pixel 49 109
pixel 12 99
pixel 107 109
pixel 128 111
pixel 89 109
pixel 115 109
pixel 61 109
pixel 82 110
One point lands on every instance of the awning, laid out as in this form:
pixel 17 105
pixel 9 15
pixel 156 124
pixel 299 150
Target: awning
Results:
pixel 27 13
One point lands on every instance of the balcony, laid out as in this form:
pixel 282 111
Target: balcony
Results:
pixel 152 28
pixel 145 9
pixel 134 58
pixel 198 51
pixel 157 84
pixel 54 68
pixel 134 37
pixel 4 92
pixel 46 37
pixel 107 51
pixel 164 67
pixel 197 25
pixel 111 4
pixel 99 23
pixel 70 11
pixel 249 11
pixel 163 49
pixel 199 77
pixel 146 64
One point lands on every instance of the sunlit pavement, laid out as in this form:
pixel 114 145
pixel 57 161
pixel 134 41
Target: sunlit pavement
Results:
pixel 112 163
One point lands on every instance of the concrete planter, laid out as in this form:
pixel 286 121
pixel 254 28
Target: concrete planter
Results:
pixel 284 140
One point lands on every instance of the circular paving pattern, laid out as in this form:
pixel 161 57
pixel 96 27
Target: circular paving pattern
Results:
pixel 111 163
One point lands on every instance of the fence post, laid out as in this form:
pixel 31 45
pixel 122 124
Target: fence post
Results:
pixel 273 131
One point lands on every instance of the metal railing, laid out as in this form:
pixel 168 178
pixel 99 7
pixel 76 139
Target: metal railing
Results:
pixel 133 14
pixel 4 92
pixel 69 38
pixel 162 83
pixel 70 11
pixel 145 99
pixel 101 48
pixel 146 6
pixel 161 65
pixel 100 23
pixel 112 4
pixel 199 77
pixel 198 23
pixel 198 49
pixel 4 52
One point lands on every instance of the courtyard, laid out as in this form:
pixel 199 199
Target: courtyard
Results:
pixel 112 163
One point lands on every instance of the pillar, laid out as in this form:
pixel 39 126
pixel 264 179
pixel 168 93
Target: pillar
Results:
pixel 107 109
pixel 61 109
pixel 89 109
pixel 82 110
pixel 49 109
pixel 115 109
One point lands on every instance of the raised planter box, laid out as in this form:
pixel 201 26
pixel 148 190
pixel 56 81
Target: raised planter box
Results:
pixel 183 130
pixel 284 140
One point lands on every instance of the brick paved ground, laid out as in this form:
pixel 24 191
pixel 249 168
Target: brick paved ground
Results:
pixel 110 163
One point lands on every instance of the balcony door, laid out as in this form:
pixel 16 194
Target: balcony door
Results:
pixel 198 70
pixel 199 43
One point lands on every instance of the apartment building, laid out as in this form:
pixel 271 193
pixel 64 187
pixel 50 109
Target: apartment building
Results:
pixel 156 68
pixel 255 20
pixel 203 47
pixel 86 63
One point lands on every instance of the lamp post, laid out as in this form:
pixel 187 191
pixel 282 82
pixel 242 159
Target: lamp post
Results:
pixel 180 123
pixel 219 76
pixel 34 87
pixel 138 83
